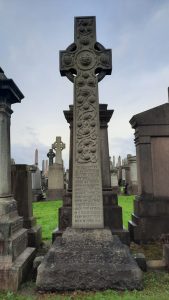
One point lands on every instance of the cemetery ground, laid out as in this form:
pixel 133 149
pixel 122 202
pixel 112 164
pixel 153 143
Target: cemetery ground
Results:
pixel 156 284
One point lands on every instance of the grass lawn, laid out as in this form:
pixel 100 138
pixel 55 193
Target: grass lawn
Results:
pixel 46 214
pixel 156 284
pixel 126 202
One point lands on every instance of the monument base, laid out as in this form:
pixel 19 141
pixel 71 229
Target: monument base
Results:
pixel 12 276
pixel 149 220
pixel 36 195
pixel 112 216
pixel 55 194
pixel 35 236
pixel 16 258
pixel 90 259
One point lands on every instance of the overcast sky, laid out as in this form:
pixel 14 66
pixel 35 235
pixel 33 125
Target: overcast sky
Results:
pixel 31 34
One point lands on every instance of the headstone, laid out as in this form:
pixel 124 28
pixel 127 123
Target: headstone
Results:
pixel 56 171
pixel 22 191
pixel 133 184
pixel 36 180
pixel 114 176
pixel 15 257
pixel 79 260
pixel 114 180
pixel 151 207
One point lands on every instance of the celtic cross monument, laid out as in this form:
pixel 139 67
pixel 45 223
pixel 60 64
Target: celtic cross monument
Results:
pixel 87 256
pixel 58 146
pixel 85 63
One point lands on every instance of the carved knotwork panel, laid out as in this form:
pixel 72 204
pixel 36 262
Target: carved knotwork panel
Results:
pixel 86 118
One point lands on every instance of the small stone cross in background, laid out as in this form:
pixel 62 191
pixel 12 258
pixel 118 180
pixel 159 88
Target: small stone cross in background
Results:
pixel 58 146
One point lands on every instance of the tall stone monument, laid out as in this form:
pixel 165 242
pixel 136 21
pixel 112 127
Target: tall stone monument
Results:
pixel 151 207
pixel 15 256
pixel 36 180
pixel 56 171
pixel 87 256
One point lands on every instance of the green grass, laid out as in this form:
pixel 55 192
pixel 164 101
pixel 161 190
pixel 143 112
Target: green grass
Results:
pixel 126 202
pixel 46 214
pixel 156 286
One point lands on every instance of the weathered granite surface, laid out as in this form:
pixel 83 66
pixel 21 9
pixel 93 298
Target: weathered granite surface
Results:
pixel 88 259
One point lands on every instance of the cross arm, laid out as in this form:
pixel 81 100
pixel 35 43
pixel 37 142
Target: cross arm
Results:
pixel 67 64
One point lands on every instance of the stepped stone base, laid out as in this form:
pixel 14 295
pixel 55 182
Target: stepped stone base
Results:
pixel 35 236
pixel 112 216
pixel 15 258
pixel 150 219
pixel 11 276
pixel 90 259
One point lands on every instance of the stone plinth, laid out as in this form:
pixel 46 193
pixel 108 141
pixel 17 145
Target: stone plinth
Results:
pixel 112 219
pixel 151 207
pixel 22 190
pixel 88 260
pixel 55 182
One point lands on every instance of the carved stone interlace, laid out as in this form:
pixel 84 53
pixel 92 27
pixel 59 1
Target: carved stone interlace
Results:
pixel 86 110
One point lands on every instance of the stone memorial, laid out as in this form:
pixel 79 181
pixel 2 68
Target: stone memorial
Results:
pixel 151 207
pixel 36 180
pixel 132 183
pixel 22 191
pixel 44 177
pixel 114 180
pixel 87 256
pixel 56 171
pixel 112 211
pixel 15 257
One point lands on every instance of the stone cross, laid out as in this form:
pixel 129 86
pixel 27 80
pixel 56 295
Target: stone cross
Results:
pixel 58 146
pixel 85 63
pixel 51 156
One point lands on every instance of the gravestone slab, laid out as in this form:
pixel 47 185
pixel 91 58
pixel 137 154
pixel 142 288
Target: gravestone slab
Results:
pixel 56 171
pixel 22 191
